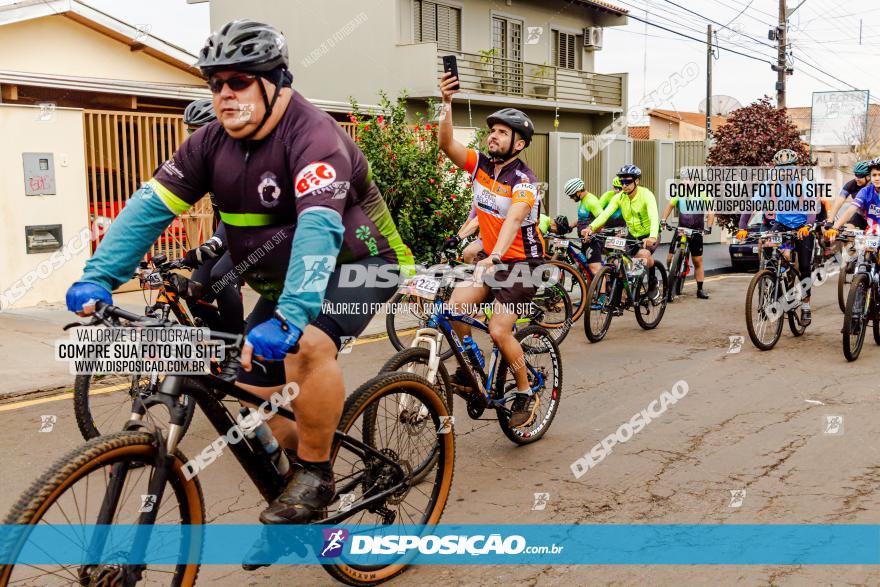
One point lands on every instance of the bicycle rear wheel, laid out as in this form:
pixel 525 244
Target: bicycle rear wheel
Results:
pixel 70 491
pixel 763 322
pixel 855 319
pixel 575 285
pixel 407 314
pixel 542 361
pixel 599 309
pixel 102 403
pixel 650 312
pixel 555 307
pixel 402 416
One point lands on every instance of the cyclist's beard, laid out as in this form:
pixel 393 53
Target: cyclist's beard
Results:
pixel 500 154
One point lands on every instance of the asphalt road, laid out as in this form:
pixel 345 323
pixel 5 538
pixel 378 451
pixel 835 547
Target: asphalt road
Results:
pixel 751 420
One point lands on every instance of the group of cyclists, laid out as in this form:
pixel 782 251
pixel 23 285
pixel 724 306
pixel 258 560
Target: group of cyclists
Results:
pixel 274 164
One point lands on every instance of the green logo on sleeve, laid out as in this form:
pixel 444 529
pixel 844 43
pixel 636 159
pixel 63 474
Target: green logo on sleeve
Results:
pixel 363 234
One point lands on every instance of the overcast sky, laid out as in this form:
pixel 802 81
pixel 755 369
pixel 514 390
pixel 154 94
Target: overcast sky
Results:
pixel 824 36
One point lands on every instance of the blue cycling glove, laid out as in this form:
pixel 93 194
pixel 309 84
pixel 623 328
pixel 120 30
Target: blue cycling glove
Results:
pixel 273 339
pixel 82 293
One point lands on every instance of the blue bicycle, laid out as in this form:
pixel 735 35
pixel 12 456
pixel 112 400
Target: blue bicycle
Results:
pixel 485 385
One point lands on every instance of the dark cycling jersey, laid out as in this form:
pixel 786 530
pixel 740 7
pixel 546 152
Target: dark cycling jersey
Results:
pixel 851 188
pixel 262 187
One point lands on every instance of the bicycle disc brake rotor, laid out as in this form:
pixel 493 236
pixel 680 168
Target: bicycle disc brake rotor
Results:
pixel 102 576
pixel 414 420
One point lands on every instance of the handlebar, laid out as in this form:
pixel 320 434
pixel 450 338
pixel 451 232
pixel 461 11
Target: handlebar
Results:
pixel 109 315
pixel 686 230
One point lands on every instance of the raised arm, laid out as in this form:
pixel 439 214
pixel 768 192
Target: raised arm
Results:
pixel 456 152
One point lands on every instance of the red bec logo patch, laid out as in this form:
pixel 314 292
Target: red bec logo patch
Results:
pixel 313 176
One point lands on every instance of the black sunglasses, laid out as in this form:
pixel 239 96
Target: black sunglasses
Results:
pixel 237 82
pixel 626 181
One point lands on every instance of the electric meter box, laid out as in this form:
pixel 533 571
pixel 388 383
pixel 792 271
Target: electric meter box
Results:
pixel 39 174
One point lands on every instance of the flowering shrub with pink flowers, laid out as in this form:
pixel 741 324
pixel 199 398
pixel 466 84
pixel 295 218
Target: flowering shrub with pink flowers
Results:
pixel 429 197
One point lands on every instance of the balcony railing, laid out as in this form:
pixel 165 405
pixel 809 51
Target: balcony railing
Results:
pixel 507 77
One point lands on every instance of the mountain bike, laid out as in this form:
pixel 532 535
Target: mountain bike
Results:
pixel 488 384
pixel 774 291
pixel 862 306
pixel 680 266
pixel 575 271
pixel 622 284
pixel 406 313
pixel 100 482
pixel 98 409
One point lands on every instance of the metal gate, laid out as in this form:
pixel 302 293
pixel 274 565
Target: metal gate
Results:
pixel 123 150
pixel 645 158
pixel 689 154
pixel 591 170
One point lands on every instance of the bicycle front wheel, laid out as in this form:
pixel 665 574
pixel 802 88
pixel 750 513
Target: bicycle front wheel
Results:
pixel 675 275
pixel 600 307
pixel 119 468
pixel 407 314
pixel 402 416
pixel 650 310
pixel 102 403
pixel 855 319
pixel 763 320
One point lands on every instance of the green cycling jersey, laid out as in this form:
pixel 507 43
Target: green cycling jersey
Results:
pixel 639 212
pixel 544 222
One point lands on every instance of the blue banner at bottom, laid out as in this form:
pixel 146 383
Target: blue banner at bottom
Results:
pixel 636 544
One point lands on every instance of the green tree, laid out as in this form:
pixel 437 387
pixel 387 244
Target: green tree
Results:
pixel 428 196
pixel 751 136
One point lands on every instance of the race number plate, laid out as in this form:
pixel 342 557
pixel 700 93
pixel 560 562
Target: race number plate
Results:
pixel 754 249
pixel 775 240
pixel 616 243
pixel 872 243
pixel 423 286
pixel 559 243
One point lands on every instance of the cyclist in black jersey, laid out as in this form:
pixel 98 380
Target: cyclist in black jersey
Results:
pixel 295 194
pixel 211 261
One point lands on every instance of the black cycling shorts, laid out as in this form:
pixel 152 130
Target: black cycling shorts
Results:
pixel 859 221
pixel 643 238
pixel 695 244
pixel 345 313
pixel 592 250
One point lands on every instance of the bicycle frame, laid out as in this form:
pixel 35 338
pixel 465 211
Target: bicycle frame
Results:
pixel 440 326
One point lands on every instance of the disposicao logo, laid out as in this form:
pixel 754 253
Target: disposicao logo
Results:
pixel 334 540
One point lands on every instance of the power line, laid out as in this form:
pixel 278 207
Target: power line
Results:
pixel 740 13
pixel 702 42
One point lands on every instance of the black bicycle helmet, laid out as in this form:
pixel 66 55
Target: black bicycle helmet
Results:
pixel 249 47
pixel 518 122
pixel 562 225
pixel 199 113
pixel 244 45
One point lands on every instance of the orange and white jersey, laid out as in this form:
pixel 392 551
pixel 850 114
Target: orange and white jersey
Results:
pixel 493 197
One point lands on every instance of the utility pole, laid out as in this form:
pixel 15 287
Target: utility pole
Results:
pixel 780 55
pixel 708 82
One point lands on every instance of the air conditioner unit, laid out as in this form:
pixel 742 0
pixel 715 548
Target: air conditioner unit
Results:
pixel 593 38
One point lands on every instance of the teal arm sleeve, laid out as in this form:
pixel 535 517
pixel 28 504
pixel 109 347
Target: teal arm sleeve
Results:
pixel 318 234
pixel 137 227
